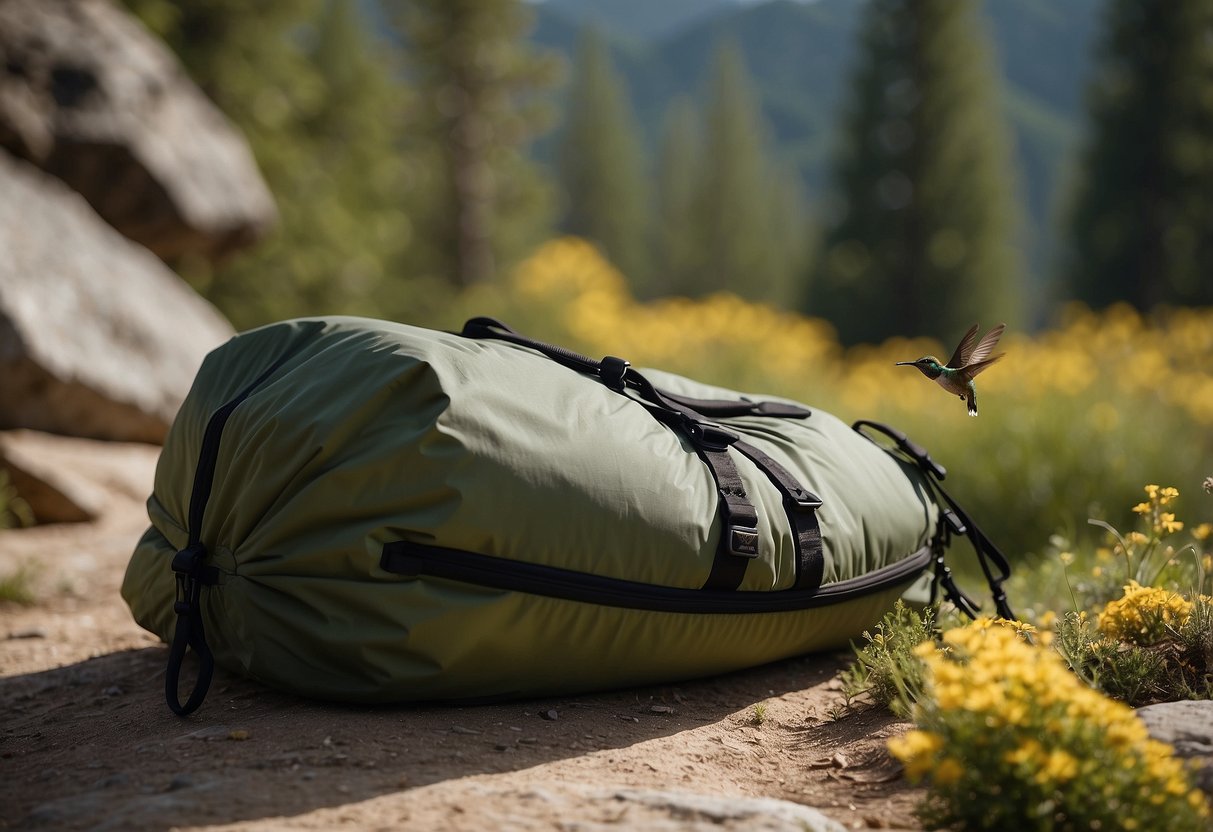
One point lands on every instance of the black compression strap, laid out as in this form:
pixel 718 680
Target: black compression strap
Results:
pixel 738 523
pixel 189 634
pixel 953 520
pixel 729 408
pixel 801 506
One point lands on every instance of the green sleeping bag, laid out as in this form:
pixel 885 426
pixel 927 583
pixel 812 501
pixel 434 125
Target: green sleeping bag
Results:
pixel 366 511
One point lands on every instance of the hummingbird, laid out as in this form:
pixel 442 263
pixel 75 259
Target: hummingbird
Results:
pixel 971 357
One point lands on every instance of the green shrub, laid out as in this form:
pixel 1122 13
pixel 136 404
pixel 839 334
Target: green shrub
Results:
pixel 14 511
pixel 885 667
pixel 17 586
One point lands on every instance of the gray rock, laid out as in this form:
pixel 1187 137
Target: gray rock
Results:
pixel 97 337
pixel 743 814
pixel 45 483
pixel 90 96
pixel 1188 726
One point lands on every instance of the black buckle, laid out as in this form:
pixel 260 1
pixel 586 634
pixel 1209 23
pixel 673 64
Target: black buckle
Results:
pixel 803 500
pixel 954 522
pixel 613 370
pixel 741 541
pixel 709 437
pixel 189 559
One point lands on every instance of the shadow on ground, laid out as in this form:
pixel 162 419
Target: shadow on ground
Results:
pixel 92 745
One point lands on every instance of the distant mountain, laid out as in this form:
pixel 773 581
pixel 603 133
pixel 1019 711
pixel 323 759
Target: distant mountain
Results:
pixel 638 20
pixel 801 54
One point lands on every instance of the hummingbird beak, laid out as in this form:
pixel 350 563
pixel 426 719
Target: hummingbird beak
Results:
pixel 905 364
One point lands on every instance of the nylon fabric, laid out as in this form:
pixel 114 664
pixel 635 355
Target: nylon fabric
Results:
pixel 372 432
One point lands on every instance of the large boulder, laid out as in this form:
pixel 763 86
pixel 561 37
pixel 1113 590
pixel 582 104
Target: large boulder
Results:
pixel 90 96
pixel 1188 726
pixel 97 337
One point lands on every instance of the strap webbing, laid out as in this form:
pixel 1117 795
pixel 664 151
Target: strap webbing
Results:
pixel 738 517
pixel 953 520
pixel 801 506
pixel 738 523
pixel 189 633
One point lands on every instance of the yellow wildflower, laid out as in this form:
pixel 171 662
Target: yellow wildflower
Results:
pixel 1203 531
pixel 1143 614
pixel 1059 767
pixel 1167 523
pixel 917 751
pixel 947 771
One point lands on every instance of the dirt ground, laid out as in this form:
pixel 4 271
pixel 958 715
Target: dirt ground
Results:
pixel 86 741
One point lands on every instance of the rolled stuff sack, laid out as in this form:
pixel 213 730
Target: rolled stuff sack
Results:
pixel 365 511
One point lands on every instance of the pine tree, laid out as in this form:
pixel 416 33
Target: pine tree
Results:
pixel 601 164
pixel 321 114
pixel 479 86
pixel 678 255
pixel 793 233
pixel 921 233
pixel 736 218
pixel 1141 226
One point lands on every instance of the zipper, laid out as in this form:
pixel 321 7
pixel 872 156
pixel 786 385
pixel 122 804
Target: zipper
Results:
pixel 419 560
pixel 188 564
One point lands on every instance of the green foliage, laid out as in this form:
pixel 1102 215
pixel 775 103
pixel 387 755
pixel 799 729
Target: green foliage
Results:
pixel 748 243
pixel 1140 220
pixel 17 587
pixel 679 159
pixel 798 54
pixel 14 511
pixel 1173 667
pixel 318 100
pixel 602 166
pixel 922 236
pixel 479 88
pixel 380 213
pixel 1142 630
pixel 886 667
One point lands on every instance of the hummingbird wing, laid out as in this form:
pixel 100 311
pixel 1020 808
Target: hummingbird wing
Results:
pixel 971 371
pixel 985 346
pixel 964 349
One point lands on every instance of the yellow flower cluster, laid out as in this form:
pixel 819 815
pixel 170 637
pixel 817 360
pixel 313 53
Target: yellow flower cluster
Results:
pixel 1005 725
pixel 600 314
pixel 1104 356
pixel 1144 614
pixel 1162 522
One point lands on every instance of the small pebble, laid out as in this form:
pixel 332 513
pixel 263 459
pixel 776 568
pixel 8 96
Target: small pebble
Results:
pixel 550 715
